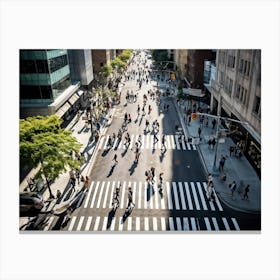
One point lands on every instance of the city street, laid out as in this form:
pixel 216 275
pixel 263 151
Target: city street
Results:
pixel 181 204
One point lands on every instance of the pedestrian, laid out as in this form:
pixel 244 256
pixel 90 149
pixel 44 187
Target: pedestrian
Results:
pixel 206 122
pixel 210 178
pixel 129 118
pixel 30 182
pixel 155 138
pixel 163 142
pixel 77 174
pixel 86 184
pixel 138 109
pixel 149 109
pixel 222 163
pixel 161 178
pixel 109 143
pixel 115 159
pixel 72 179
pixel 140 140
pixel 129 195
pixel 199 132
pixel 213 142
pixel 147 125
pixel 231 150
pixel 214 123
pixel 125 117
pixel 210 191
pixel 245 194
pixel 152 173
pixel 143 110
pixel 233 188
pixel 116 197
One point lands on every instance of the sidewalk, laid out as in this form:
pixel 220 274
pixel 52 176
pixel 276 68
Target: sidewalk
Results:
pixel 238 169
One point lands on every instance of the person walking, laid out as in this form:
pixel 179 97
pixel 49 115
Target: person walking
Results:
pixel 149 109
pixel 214 123
pixel 222 163
pixel 152 173
pixel 163 142
pixel 115 159
pixel 233 188
pixel 139 140
pixel 116 195
pixel 129 196
pixel 160 180
pixel 138 109
pixel 199 132
pixel 155 137
pixel 245 194
pixel 77 174
pixel 72 179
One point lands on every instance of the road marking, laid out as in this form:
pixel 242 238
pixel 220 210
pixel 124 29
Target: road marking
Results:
pixel 168 142
pixel 226 223
pixel 208 226
pixel 106 194
pixel 171 224
pixel 184 207
pixel 146 223
pixel 138 223
pixel 155 224
pixel 143 142
pixel 186 224
pixel 105 143
pixel 123 192
pixel 120 144
pixel 145 195
pixel 162 201
pixel 169 197
pixel 193 224
pixel 172 142
pixel 72 223
pixel 177 142
pixel 217 201
pixel 178 222
pixel 147 141
pixel 201 196
pixel 129 223
pixel 88 223
pixel 194 147
pixel 188 196
pixel 210 202
pixel 120 224
pixel 100 194
pixel 88 195
pixel 189 146
pixel 49 223
pixel 235 224
pixel 140 198
pixel 100 143
pixel 112 227
pixel 214 220
pixel 195 196
pixel 163 225
pixel 129 186
pixel 134 193
pixel 115 143
pixel 80 223
pixel 152 141
pixel 175 196
pixel 151 196
pixel 156 194
pixel 183 143
pixel 96 223
pixel 131 141
pixel 94 194
pixel 111 198
pixel 105 223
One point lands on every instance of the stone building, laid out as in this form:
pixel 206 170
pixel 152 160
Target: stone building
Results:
pixel 237 94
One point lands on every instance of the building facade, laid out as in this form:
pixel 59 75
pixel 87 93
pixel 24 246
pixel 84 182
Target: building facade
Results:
pixel 237 94
pixel 45 83
pixel 101 58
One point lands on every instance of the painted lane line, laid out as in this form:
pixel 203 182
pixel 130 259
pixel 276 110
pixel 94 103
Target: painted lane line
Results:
pixel 88 194
pixel 156 194
pixel 151 196
pixel 129 223
pixel 105 224
pixel 47 227
pixel 201 196
pixel 123 193
pixel 146 223
pixel 131 141
pixel 226 223
pixel 210 202
pixel 72 223
pixel 177 206
pixel 178 222
pixel 155 224
pixel 214 220
pixel 145 195
pixel 140 198
pixel 168 142
pixel 94 194
pixel 80 223
pixel 186 224
pixel 147 141
pixel 188 196
pixel 111 198
pixel 169 197
pixel 183 143
pixel 134 193
pixel 163 224
pixel 120 145
pixel 106 194
pixel 100 195
pixel 195 196
pixel 112 227
pixel 177 142
pixel 88 224
pixel 235 224
pixel 137 223
pixel 172 142
pixel 194 147
pixel 143 142
pixel 100 143
pixel 120 224
pixel 184 207
pixel 105 143
pixel 96 223
pixel 217 201
pixel 193 224
pixel 207 223
pixel 171 224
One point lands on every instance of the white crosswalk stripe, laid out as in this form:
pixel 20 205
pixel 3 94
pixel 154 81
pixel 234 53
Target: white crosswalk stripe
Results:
pixel 123 193
pixel 112 194
pixel 188 196
pixel 168 142
pixel 132 223
pixel 210 202
pixel 106 194
pixel 169 198
pixel 88 195
pixel 50 220
pixel 175 196
pixel 94 195
pixel 201 196
pixel 184 207
pixel 172 142
pixel 177 142
pixel 100 195
pixel 195 196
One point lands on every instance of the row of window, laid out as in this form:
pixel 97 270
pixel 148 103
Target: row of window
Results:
pixel 244 65
pixel 43 66
pixel 241 94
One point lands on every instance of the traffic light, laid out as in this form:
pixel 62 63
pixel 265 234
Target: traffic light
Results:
pixel 172 76
pixel 194 116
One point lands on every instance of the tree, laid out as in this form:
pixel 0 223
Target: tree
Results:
pixel 117 63
pixel 44 143
pixel 107 70
pixel 125 55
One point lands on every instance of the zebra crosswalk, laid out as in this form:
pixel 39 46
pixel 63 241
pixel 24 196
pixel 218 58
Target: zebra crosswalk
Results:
pixel 172 142
pixel 151 224
pixel 174 196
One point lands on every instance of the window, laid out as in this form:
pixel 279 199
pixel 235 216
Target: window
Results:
pixel 42 66
pixel 57 63
pixel 27 66
pixel 230 86
pixel 101 64
pixel 257 105
pixel 222 77
pixel 247 70
pixel 244 67
pixel 237 94
pixel 241 65
pixel 231 61
pixel 244 100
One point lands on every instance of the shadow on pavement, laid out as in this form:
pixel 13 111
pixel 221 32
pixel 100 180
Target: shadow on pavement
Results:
pixel 111 170
pixel 133 167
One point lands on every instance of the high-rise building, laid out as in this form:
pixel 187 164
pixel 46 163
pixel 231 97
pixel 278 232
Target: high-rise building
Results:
pixel 237 94
pixel 45 83
pixel 101 58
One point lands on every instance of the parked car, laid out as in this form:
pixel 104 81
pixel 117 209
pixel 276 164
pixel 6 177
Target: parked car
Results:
pixel 30 201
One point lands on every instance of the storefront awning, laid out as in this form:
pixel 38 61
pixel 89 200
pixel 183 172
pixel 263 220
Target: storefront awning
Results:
pixel 193 92
pixel 73 98
pixel 63 109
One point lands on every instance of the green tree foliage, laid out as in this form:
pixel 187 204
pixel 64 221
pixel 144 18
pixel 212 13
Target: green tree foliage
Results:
pixel 117 63
pixel 125 55
pixel 107 70
pixel 44 143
